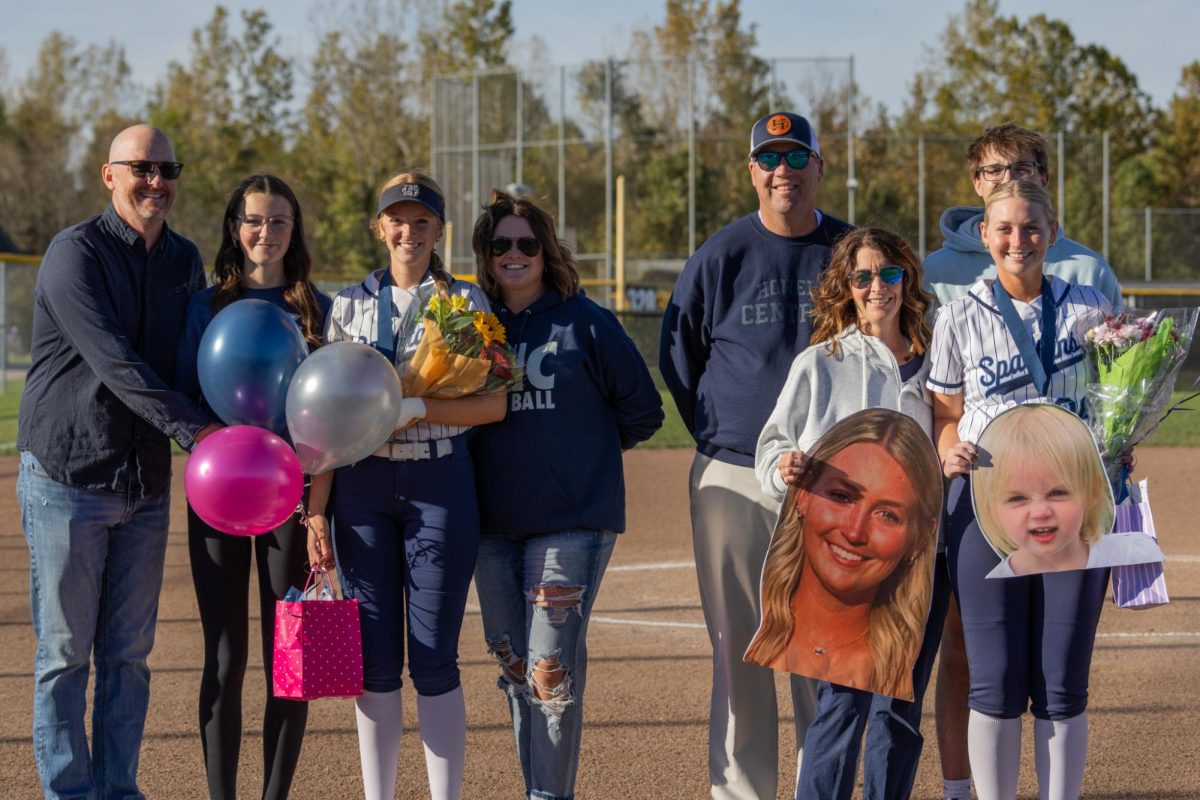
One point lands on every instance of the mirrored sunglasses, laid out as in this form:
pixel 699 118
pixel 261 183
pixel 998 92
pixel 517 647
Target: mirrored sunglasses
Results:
pixel 769 159
pixel 862 278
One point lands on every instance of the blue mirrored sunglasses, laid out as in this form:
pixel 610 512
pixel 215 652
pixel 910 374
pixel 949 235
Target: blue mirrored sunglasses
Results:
pixel 769 159
pixel 862 278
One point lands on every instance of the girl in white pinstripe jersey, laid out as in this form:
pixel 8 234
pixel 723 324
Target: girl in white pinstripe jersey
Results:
pixel 1014 339
pixel 406 520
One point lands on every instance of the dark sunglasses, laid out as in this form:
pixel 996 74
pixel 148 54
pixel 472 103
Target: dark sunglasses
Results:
pixel 526 244
pixel 862 278
pixel 169 170
pixel 769 159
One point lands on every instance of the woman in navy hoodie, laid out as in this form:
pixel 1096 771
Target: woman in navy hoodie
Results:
pixel 550 482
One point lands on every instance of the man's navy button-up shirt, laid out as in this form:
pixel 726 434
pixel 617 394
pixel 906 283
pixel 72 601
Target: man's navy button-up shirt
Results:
pixel 98 409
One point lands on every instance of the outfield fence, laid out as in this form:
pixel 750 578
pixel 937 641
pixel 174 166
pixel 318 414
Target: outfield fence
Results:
pixel 645 293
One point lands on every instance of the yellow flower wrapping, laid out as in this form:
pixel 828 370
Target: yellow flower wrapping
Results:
pixel 436 372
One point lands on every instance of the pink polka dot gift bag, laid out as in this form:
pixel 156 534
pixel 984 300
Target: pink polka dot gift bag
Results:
pixel 318 644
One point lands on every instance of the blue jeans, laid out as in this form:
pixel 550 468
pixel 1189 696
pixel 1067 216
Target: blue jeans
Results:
pixel 894 740
pixel 95 571
pixel 536 594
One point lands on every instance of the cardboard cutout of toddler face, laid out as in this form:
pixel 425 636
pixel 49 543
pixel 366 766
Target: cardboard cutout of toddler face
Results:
pixel 848 577
pixel 1042 499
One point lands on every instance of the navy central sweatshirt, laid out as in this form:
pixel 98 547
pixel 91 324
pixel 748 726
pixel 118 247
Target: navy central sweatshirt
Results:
pixel 739 314
pixel 554 464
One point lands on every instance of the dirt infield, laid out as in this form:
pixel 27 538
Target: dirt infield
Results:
pixel 648 682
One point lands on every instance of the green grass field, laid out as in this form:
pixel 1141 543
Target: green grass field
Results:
pixel 1182 429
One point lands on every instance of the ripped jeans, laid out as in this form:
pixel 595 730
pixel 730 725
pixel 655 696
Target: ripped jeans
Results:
pixel 536 594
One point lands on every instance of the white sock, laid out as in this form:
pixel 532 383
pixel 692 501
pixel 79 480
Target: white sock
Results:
pixel 1060 748
pixel 380 718
pixel 444 734
pixel 994 745
pixel 957 789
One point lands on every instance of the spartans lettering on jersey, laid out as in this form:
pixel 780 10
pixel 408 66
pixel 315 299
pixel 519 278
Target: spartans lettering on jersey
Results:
pixel 541 395
pixel 778 300
pixel 1002 375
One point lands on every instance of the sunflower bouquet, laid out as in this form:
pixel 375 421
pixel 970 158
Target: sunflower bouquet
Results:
pixel 462 352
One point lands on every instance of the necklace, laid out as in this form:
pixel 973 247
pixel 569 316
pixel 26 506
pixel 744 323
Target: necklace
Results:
pixel 825 649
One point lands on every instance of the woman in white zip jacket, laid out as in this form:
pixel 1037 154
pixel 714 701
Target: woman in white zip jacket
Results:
pixel 869 350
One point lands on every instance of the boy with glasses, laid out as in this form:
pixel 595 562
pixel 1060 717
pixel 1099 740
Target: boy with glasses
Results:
pixel 1001 154
pixel 95 475
pixel 738 316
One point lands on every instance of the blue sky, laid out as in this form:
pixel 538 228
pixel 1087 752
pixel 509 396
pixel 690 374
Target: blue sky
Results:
pixel 889 40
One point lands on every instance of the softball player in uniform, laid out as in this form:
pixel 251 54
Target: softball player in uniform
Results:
pixel 1029 640
pixel 406 519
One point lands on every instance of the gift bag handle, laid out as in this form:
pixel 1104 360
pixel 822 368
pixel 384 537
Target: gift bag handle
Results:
pixel 318 575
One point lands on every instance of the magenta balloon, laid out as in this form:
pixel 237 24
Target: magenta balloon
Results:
pixel 243 480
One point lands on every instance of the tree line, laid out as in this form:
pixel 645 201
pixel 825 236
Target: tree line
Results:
pixel 231 105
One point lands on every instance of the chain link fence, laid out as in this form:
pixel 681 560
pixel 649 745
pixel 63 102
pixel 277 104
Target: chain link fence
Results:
pixel 569 136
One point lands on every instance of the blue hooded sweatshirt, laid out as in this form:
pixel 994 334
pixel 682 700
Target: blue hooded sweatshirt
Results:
pixel 963 259
pixel 554 463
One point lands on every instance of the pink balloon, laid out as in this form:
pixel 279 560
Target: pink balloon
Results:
pixel 243 480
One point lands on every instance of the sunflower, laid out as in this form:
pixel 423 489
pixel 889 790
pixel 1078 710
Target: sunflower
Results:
pixel 489 327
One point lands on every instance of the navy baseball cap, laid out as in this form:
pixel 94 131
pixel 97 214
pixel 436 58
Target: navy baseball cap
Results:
pixel 412 192
pixel 783 126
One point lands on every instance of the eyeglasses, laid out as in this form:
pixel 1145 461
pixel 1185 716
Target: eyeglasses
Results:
pixel 769 159
pixel 274 224
pixel 1021 170
pixel 169 170
pixel 528 245
pixel 863 278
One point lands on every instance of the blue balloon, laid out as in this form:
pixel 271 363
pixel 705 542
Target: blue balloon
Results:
pixel 247 357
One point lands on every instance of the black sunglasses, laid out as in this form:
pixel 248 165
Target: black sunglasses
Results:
pixel 862 278
pixel 769 159
pixel 526 244
pixel 169 170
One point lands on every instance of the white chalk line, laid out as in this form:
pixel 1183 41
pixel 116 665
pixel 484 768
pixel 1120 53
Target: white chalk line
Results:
pixel 651 565
pixel 663 565
pixel 648 623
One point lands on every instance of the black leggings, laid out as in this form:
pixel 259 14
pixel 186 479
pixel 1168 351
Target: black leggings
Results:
pixel 221 575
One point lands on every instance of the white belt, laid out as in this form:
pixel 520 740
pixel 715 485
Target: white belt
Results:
pixel 415 451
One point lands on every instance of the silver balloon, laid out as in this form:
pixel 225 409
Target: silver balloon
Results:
pixel 342 405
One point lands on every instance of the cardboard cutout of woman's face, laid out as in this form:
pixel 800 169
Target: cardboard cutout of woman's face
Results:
pixel 848 577
pixel 858 518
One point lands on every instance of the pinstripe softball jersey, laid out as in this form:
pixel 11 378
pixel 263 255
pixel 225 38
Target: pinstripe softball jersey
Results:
pixel 353 319
pixel 973 353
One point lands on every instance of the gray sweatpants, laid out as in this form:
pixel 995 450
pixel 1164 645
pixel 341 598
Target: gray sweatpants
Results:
pixel 732 522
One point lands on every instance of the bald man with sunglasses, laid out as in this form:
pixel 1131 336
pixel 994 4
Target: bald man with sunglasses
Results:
pixel 96 418
pixel 738 316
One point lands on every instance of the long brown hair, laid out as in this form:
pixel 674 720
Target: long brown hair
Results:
pixel 897 617
pixel 299 291
pixel 833 304
pixel 561 272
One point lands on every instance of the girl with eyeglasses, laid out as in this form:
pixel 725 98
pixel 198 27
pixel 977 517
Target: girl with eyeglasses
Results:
pixel 406 524
pixel 869 350
pixel 1013 339
pixel 262 256
pixel 551 488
